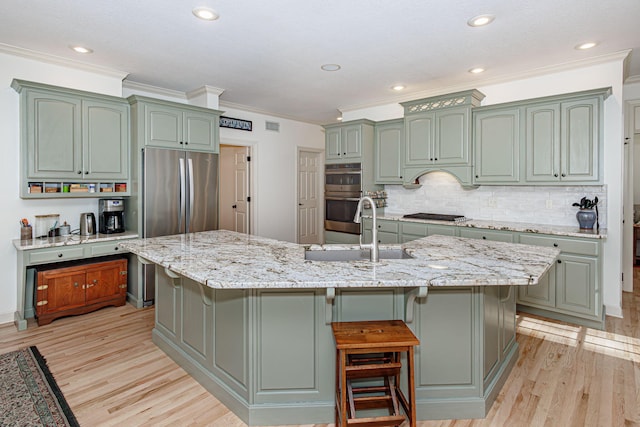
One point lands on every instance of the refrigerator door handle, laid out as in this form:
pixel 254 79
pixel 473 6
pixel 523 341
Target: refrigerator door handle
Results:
pixel 191 189
pixel 183 201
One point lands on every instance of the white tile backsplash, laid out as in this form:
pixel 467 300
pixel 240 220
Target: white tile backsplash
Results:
pixel 442 193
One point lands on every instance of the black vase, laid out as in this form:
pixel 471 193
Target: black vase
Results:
pixel 586 218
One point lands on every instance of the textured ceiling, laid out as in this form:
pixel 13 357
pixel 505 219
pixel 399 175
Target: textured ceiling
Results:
pixel 267 54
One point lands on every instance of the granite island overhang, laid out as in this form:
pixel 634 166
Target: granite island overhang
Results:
pixel 249 318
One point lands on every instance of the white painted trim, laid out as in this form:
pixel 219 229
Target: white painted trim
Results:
pixel 143 87
pixel 6 318
pixel 58 60
pixel 250 109
pixel 441 90
pixel 205 90
pixel 613 311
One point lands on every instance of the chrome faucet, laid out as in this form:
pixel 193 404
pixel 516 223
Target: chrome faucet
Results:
pixel 373 246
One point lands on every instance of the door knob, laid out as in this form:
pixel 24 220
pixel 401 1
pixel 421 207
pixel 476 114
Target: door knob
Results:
pixel 234 206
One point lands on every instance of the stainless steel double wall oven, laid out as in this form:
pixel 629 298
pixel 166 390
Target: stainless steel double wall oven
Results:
pixel 342 191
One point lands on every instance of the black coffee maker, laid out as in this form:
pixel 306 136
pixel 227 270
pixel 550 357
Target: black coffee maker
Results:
pixel 111 216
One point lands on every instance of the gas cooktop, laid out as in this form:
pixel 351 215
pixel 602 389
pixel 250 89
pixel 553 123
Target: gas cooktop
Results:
pixel 437 217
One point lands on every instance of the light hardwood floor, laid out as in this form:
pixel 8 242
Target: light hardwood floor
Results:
pixel 112 374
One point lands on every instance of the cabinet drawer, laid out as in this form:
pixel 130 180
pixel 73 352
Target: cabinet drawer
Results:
pixel 496 236
pixel 56 254
pixel 414 228
pixel 108 248
pixel 575 246
pixel 388 226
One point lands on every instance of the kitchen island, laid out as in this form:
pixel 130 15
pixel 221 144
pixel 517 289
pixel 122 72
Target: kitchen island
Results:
pixel 249 318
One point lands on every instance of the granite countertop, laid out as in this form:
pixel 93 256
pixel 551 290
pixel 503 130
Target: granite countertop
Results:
pixel 228 260
pixel 523 227
pixel 72 239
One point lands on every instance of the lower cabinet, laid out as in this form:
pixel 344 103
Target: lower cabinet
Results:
pixel 79 289
pixel 572 289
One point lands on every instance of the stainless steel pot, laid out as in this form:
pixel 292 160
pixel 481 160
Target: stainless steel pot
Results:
pixel 87 224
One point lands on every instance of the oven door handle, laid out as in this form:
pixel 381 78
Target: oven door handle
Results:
pixel 344 199
pixel 343 173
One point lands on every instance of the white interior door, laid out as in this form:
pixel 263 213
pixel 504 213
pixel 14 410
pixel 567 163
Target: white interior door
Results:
pixel 309 202
pixel 234 188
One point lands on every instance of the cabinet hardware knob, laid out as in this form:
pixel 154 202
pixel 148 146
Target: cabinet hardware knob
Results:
pixel 79 172
pixel 555 245
pixel 116 248
pixel 484 237
pixel 86 172
pixel 477 176
pixel 75 284
pixel 186 143
pixel 59 255
pixel 555 174
pixel 181 143
pixel 563 175
pixel 559 261
pixel 400 176
pixel 431 159
pixel 436 159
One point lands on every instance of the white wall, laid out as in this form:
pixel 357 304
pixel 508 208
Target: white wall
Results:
pixel 585 78
pixel 13 207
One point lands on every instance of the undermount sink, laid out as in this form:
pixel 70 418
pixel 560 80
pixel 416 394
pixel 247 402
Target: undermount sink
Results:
pixel 354 254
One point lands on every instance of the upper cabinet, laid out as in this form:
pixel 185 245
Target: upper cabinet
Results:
pixel 389 151
pixel 551 141
pixel 179 126
pixel 496 132
pixel 344 142
pixel 438 135
pixel 71 139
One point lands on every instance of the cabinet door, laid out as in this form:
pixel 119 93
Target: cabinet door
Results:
pixel 389 144
pixel 543 294
pixel 576 285
pixel 163 126
pixel 105 281
pixel 452 136
pixel 543 143
pixel 105 134
pixel 497 146
pixel 493 235
pixel 333 143
pixel 580 135
pixel 352 141
pixel 200 131
pixel 59 290
pixel 508 319
pixel 420 136
pixel 54 144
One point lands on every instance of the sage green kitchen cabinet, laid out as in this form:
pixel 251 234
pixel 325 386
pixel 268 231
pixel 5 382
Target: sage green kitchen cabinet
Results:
pixel 344 142
pixel 71 136
pixel 388 231
pixel 416 230
pixel 179 126
pixel 438 135
pixel 573 292
pixel 497 140
pixel 389 151
pixel 493 235
pixel 562 141
pixel 438 138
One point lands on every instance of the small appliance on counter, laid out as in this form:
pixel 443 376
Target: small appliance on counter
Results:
pixel 87 224
pixel 111 216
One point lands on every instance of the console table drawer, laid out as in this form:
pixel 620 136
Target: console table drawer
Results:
pixel 56 254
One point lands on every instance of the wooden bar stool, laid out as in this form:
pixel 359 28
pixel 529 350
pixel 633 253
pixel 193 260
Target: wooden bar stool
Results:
pixel 372 350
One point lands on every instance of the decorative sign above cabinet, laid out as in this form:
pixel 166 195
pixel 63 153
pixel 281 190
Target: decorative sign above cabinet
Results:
pixel 228 122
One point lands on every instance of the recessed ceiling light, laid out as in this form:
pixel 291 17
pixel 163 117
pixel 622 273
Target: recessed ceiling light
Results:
pixel 81 49
pixel 398 87
pixel 205 13
pixel 476 70
pixel 480 20
pixel 339 119
pixel 330 67
pixel 584 46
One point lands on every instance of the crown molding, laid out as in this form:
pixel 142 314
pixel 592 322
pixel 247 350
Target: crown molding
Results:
pixel 58 60
pixel 155 90
pixel 256 110
pixel 572 65
pixel 205 90
pixel 632 80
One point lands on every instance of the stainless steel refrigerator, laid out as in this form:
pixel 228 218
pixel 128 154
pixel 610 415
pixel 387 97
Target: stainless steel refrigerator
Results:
pixel 180 195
